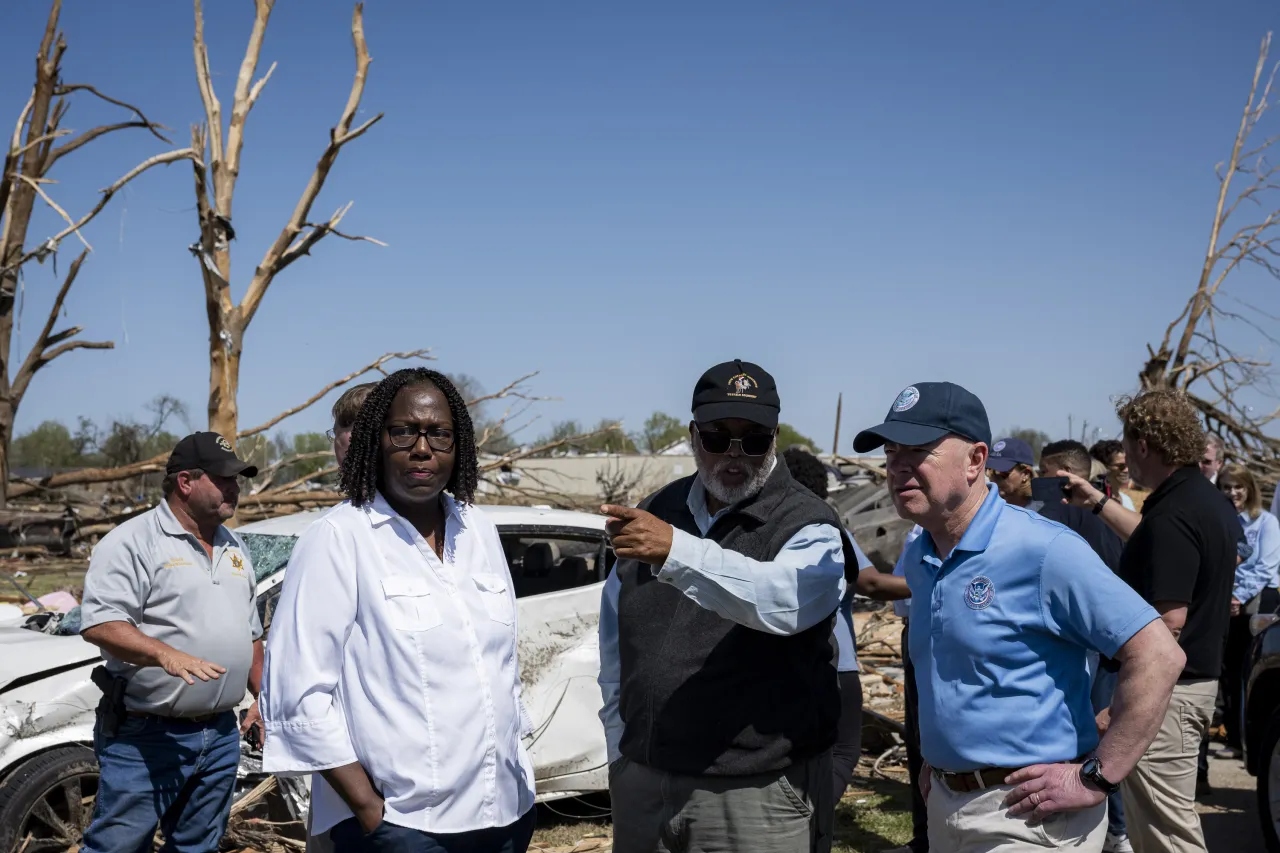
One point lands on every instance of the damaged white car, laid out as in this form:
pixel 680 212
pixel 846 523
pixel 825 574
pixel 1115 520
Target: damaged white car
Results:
pixel 558 560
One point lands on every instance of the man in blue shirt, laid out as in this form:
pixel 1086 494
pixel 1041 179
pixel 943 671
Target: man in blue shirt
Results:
pixel 1006 605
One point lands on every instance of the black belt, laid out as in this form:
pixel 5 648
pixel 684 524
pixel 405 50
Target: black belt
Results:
pixel 199 718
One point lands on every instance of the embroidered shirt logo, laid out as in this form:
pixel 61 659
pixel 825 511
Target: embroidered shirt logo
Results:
pixel 908 398
pixel 237 564
pixel 175 562
pixel 980 593
pixel 742 385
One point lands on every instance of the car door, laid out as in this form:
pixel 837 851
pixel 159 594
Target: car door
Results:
pixel 558 574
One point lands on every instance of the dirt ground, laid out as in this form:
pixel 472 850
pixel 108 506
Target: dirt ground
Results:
pixel 1230 816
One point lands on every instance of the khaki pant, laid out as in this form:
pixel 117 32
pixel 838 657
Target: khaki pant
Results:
pixel 1160 793
pixel 979 822
pixel 790 811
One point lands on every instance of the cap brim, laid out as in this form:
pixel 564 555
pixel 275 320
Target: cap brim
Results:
pixel 766 416
pixel 1002 465
pixel 899 432
pixel 231 468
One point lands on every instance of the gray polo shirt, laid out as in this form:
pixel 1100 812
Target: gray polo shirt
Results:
pixel 156 576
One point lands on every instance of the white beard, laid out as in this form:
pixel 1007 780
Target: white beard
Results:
pixel 710 466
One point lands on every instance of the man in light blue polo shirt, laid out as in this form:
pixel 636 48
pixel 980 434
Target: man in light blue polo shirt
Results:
pixel 1005 607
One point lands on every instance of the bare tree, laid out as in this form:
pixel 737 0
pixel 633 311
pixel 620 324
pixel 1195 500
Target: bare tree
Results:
pixel 216 173
pixel 1196 354
pixel 31 154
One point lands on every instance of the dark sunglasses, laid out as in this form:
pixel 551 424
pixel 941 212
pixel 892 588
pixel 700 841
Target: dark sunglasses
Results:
pixel 718 442
pixel 404 437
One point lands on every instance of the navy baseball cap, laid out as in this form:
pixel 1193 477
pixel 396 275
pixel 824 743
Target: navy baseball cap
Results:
pixel 926 412
pixel 211 453
pixel 737 389
pixel 1010 452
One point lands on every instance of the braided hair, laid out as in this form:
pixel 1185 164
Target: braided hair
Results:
pixel 363 464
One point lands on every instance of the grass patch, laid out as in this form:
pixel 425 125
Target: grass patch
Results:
pixel 874 815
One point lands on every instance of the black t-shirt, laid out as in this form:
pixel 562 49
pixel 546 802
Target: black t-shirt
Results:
pixel 1102 539
pixel 1185 551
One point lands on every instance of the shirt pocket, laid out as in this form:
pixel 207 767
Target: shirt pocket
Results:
pixel 497 601
pixel 409 604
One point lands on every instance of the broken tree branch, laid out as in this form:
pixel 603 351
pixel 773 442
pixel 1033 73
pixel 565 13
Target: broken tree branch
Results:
pixel 376 364
pixel 278 255
pixel 106 193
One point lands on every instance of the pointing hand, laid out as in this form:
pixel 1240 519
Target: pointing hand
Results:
pixel 638 535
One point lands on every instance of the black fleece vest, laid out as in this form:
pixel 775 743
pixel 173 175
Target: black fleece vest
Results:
pixel 701 695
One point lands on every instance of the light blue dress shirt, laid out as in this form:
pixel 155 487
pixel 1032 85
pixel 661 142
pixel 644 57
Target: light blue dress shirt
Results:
pixel 802 586
pixel 1262 569
pixel 845 641
pixel 1000 632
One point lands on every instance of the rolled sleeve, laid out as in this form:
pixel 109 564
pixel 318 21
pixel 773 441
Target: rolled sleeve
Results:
pixel 115 586
pixel 800 587
pixel 306 727
pixel 1086 603
pixel 610 676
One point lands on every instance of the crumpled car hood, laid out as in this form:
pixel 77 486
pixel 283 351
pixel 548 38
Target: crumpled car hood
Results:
pixel 24 653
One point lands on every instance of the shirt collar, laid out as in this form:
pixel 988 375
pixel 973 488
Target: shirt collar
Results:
pixel 977 536
pixel 170 525
pixel 697 500
pixel 1173 481
pixel 380 512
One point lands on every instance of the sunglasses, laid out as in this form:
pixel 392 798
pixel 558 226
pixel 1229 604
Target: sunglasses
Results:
pixel 718 442
pixel 439 439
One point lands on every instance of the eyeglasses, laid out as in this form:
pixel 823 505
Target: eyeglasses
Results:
pixel 718 442
pixel 439 439
pixel 331 435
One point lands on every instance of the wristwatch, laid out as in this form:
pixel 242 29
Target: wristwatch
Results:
pixel 1091 771
pixel 1097 508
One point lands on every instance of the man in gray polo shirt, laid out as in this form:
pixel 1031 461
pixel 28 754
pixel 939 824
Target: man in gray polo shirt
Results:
pixel 169 598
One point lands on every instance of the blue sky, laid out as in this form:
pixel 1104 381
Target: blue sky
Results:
pixel 857 196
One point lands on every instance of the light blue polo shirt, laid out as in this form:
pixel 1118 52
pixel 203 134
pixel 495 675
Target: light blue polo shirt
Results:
pixel 1000 632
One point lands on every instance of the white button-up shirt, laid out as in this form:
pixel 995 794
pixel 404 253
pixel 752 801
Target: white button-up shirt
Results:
pixel 380 653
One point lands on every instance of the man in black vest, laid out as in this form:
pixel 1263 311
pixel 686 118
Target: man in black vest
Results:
pixel 717 664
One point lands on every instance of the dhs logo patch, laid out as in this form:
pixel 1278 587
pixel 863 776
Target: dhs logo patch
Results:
pixel 980 593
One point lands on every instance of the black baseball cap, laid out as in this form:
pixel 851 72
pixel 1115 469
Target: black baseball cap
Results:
pixel 1007 453
pixel 209 452
pixel 737 389
pixel 924 413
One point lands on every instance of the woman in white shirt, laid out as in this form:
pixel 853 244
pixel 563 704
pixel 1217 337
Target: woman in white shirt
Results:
pixel 391 671
pixel 1255 589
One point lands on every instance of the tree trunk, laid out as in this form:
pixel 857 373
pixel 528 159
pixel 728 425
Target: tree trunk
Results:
pixel 225 343
pixel 6 434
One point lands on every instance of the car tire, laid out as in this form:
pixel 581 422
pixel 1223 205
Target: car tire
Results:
pixel 50 797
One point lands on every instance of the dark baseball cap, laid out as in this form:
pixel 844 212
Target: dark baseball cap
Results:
pixel 209 452
pixel 736 389
pixel 1010 452
pixel 924 413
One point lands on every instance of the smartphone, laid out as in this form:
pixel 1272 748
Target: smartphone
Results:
pixel 1049 489
pixel 1102 485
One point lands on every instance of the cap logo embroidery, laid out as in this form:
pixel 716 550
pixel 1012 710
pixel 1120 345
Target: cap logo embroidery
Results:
pixel 742 385
pixel 999 446
pixel 224 444
pixel 980 593
pixel 908 398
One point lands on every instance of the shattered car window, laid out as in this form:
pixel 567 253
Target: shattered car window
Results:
pixel 542 561
pixel 268 553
